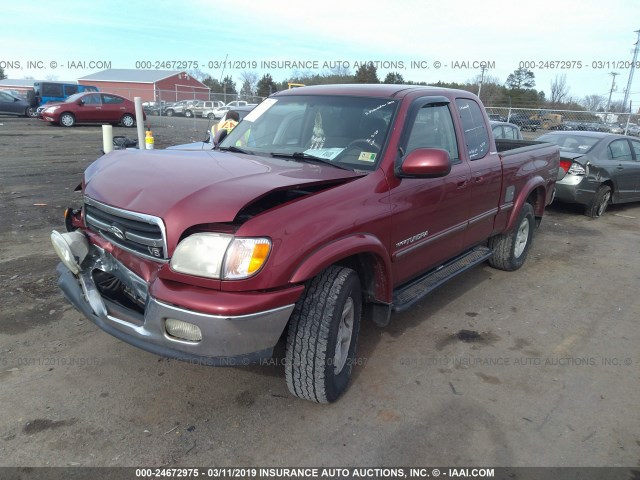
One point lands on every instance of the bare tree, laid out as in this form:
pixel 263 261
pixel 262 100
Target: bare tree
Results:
pixel 559 90
pixel 617 106
pixel 197 74
pixel 593 102
pixel 249 80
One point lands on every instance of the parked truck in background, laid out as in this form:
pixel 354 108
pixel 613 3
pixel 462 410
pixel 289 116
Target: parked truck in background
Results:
pixel 324 206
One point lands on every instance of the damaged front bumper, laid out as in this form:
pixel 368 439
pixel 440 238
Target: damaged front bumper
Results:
pixel 118 301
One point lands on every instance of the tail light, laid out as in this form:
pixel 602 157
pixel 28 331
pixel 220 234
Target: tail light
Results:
pixel 577 169
pixel 565 165
pixel 574 168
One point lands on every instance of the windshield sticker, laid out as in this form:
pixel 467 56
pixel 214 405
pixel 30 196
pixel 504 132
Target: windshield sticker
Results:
pixel 379 107
pixel 257 112
pixel 367 157
pixel 328 153
pixel 318 137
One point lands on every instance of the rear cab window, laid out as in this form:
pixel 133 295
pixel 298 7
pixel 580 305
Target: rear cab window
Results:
pixel 474 128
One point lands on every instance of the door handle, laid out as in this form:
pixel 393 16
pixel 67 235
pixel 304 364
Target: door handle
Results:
pixel 619 167
pixel 479 179
pixel 461 184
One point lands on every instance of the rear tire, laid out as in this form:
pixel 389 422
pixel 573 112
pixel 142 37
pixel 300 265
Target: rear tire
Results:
pixel 510 250
pixel 127 120
pixel 188 114
pixel 323 334
pixel 599 202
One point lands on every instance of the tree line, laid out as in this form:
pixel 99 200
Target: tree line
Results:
pixel 517 91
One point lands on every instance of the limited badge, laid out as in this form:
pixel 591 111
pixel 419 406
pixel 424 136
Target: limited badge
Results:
pixel 367 157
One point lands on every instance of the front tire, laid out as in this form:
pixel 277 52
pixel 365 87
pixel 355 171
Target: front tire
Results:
pixel 599 202
pixel 323 334
pixel 127 120
pixel 510 250
pixel 67 119
pixel 169 113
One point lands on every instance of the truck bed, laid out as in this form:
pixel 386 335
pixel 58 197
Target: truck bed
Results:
pixel 510 147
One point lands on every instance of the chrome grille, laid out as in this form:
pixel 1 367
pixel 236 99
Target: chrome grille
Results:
pixel 135 232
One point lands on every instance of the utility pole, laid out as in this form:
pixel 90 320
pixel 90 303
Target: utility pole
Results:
pixel 633 67
pixel 613 85
pixel 483 68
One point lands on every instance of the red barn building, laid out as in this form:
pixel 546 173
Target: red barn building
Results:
pixel 150 85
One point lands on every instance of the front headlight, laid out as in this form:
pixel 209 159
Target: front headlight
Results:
pixel 220 256
pixel 52 109
pixel 201 254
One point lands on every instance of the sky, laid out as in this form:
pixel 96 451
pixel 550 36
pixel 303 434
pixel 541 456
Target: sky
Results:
pixel 584 40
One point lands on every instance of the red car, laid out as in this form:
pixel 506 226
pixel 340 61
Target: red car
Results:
pixel 90 107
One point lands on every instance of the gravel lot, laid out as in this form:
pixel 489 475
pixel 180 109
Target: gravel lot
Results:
pixel 546 374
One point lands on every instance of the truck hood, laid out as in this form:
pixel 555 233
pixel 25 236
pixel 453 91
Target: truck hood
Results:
pixel 190 188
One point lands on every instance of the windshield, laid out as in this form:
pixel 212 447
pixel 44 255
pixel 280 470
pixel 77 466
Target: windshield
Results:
pixel 73 97
pixel 571 143
pixel 349 132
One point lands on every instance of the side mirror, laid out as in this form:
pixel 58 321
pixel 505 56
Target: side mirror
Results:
pixel 80 102
pixel 219 136
pixel 425 163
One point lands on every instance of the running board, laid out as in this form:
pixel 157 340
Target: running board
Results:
pixel 406 296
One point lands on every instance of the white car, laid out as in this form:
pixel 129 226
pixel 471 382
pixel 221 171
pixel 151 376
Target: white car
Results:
pixel 200 109
pixel 216 113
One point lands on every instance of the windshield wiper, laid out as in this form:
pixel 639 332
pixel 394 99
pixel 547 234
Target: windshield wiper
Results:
pixel 307 156
pixel 234 149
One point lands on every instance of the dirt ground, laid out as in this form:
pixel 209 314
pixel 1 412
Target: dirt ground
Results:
pixel 538 367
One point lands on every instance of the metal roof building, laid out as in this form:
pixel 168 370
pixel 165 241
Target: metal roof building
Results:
pixel 150 85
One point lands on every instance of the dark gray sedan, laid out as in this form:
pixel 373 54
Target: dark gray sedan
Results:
pixel 505 130
pixel 12 105
pixel 596 169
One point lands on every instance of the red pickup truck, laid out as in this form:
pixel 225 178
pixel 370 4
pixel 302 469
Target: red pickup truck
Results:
pixel 325 205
